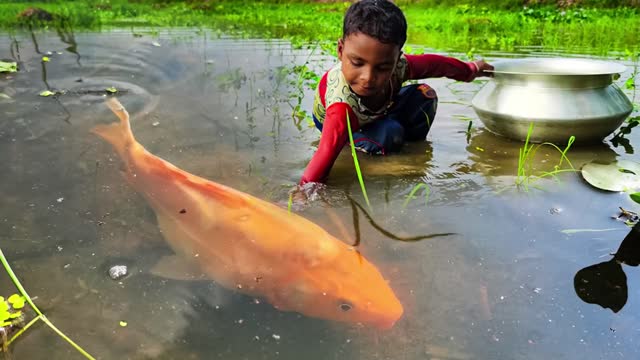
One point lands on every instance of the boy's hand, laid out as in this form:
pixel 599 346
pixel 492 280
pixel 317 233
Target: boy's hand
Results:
pixel 301 195
pixel 483 67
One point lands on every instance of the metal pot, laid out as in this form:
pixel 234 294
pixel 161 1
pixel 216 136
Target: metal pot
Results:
pixel 561 97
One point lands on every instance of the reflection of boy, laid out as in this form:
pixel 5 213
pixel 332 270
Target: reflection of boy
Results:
pixel 367 85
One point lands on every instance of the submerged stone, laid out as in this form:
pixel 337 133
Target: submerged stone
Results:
pixel 117 272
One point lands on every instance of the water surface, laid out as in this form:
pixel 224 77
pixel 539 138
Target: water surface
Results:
pixel 500 288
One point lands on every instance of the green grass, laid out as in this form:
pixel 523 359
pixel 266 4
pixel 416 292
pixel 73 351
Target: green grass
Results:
pixel 413 191
pixel 449 28
pixel 356 163
pixel 525 176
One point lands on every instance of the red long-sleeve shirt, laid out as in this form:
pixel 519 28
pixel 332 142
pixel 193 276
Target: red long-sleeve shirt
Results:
pixel 334 128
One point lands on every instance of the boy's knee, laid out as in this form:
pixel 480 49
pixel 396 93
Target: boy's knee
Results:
pixel 380 138
pixel 427 92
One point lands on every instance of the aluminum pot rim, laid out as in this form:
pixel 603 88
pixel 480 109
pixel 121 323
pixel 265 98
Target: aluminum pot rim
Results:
pixel 557 67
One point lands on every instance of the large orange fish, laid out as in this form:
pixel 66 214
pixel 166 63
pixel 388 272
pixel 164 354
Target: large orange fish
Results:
pixel 252 246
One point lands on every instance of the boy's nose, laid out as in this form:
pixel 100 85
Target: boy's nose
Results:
pixel 367 76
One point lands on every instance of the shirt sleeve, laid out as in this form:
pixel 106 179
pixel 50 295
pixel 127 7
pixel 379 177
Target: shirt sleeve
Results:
pixel 432 65
pixel 334 136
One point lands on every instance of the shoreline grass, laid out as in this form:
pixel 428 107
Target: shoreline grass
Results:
pixel 453 28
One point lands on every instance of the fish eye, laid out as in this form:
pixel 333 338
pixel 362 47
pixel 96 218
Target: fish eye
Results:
pixel 345 306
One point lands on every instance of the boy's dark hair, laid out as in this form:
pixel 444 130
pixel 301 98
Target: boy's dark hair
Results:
pixel 380 19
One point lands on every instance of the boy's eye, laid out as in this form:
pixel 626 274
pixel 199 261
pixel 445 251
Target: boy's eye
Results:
pixel 356 63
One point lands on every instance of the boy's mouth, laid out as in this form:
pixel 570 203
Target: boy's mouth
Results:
pixel 366 90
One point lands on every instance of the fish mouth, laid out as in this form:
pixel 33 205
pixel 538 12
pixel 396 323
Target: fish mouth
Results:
pixel 385 325
pixel 388 321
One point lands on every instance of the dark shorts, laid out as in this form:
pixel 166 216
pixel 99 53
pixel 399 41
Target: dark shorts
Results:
pixel 409 119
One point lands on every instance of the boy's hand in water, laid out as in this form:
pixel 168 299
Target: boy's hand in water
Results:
pixel 301 195
pixel 483 67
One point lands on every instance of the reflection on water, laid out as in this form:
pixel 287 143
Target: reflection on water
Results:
pixel 500 287
pixel 605 283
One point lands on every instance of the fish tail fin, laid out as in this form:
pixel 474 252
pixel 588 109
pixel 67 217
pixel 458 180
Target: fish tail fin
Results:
pixel 118 134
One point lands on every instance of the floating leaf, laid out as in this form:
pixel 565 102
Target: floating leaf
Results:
pixel 111 90
pixel 573 231
pixel 15 315
pixel 635 197
pixel 622 175
pixel 461 117
pixel 5 96
pixel 45 59
pixel 123 323
pixel 47 93
pixel 16 301
pixel 155 43
pixel 4 307
pixel 10 67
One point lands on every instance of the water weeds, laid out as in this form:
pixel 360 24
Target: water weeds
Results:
pixel 8 67
pixel 355 162
pixel 18 303
pixel 427 192
pixel 525 159
pixel 47 93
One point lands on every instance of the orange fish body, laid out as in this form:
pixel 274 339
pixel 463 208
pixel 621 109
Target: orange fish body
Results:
pixel 252 246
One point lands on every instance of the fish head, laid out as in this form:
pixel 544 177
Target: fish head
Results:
pixel 349 289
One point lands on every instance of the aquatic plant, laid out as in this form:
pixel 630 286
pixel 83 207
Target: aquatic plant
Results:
pixel 415 189
pixel 18 302
pixel 356 163
pixel 11 317
pixel 8 67
pixel 620 175
pixel 306 80
pixel 525 161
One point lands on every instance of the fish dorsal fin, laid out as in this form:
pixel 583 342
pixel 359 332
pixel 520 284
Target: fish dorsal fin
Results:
pixel 177 268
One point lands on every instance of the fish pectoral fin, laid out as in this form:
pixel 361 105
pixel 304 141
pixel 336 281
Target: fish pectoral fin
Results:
pixel 177 268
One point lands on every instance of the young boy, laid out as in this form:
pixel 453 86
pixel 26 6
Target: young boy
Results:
pixel 366 87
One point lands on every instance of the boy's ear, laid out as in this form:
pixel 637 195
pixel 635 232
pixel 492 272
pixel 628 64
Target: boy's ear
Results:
pixel 340 48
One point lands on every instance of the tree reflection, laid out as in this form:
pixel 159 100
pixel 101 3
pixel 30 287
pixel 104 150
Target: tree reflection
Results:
pixel 605 283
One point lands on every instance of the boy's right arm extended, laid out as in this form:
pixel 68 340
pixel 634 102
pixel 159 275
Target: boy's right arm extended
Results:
pixel 334 136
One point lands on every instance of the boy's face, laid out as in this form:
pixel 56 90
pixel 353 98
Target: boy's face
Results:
pixel 367 63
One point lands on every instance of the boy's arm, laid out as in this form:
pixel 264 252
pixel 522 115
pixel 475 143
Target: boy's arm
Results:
pixel 334 136
pixel 432 65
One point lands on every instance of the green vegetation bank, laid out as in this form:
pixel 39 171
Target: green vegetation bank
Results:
pixel 588 26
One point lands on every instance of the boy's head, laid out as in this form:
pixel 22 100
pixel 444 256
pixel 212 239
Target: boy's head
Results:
pixel 374 31
pixel 379 19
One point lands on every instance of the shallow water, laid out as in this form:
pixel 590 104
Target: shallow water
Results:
pixel 500 288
